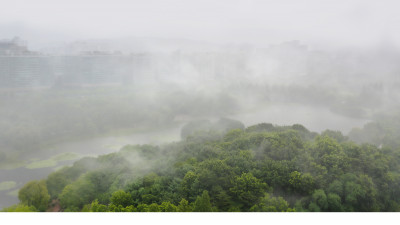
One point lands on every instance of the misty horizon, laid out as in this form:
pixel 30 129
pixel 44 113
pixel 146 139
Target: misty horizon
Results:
pixel 199 106
pixel 261 23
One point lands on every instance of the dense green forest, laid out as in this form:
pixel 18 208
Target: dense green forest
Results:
pixel 225 167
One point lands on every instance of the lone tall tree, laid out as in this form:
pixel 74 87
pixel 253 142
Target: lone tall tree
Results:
pixel 35 193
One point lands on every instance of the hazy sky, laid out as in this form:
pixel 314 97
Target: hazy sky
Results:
pixel 341 22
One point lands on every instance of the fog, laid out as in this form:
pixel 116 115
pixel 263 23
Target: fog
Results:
pixel 84 78
pixel 351 23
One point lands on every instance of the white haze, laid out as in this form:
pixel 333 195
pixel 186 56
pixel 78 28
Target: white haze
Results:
pixel 356 23
pixel 141 70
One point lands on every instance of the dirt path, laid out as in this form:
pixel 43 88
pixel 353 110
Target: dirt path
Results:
pixel 54 206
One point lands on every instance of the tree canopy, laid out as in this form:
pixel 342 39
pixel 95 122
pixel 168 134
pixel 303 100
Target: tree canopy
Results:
pixel 262 168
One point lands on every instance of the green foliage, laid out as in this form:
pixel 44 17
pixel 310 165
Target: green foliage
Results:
pixel 233 134
pixel 96 207
pixel 168 207
pixel 57 181
pixel 213 172
pixel 34 193
pixel 121 198
pixel 262 127
pixel 189 183
pixel 319 198
pixel 313 207
pixel 20 208
pixel 184 206
pixel 301 183
pixel 326 146
pixel 77 194
pixel 247 189
pixel 263 168
pixel 149 179
pixel 271 204
pixel 337 135
pixel 334 203
pixel 202 203
pixel 384 131
pixel 143 208
pixel 154 207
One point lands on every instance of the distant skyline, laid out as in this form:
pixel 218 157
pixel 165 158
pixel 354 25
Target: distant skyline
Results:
pixel 352 23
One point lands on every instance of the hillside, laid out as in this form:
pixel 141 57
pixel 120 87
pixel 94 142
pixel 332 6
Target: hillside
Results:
pixel 261 168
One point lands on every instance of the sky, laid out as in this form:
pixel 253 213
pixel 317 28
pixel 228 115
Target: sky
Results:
pixel 337 22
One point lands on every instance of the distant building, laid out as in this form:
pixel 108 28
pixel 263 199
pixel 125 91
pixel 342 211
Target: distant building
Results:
pixel 14 46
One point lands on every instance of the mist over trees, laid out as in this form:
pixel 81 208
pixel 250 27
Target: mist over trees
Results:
pixel 199 106
pixel 296 173
pixel 261 168
pixel 80 93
